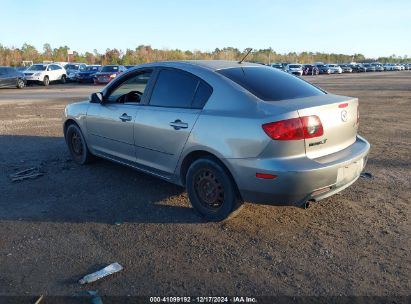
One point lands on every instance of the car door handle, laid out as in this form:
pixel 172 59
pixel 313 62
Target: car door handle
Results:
pixel 178 124
pixel 125 117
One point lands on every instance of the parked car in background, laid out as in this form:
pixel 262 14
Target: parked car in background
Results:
pixel 358 68
pixel 10 77
pixel 45 73
pixel 323 68
pixel 402 68
pixel 73 69
pixel 88 74
pixel 387 66
pixel 407 66
pixel 346 68
pixel 392 67
pixel 227 131
pixel 310 69
pixel 369 67
pixel 294 68
pixel 335 68
pixel 378 67
pixel 278 66
pixel 108 73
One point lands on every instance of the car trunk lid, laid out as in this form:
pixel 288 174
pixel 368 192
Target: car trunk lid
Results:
pixel 339 118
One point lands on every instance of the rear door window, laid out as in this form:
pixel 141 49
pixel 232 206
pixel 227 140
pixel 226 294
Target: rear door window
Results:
pixel 270 84
pixel 177 89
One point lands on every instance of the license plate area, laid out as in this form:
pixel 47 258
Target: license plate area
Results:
pixel 350 172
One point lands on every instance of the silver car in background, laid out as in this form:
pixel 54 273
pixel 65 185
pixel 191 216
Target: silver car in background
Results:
pixel 229 132
pixel 335 68
pixel 294 68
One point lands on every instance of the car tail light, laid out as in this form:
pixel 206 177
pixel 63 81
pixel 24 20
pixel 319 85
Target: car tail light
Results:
pixel 295 128
pixel 312 126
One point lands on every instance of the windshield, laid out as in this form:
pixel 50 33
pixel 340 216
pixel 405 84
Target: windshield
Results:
pixel 321 65
pixel 71 66
pixel 37 67
pixel 270 84
pixel 110 68
pixel 295 66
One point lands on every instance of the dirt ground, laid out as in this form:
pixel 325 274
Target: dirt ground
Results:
pixel 76 219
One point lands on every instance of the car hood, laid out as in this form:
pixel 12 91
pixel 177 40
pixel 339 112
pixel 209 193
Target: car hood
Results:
pixel 33 72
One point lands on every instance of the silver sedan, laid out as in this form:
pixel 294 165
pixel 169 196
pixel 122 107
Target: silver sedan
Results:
pixel 229 132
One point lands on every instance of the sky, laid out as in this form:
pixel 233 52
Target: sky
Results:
pixel 373 28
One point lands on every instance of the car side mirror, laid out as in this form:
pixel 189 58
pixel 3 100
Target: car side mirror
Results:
pixel 96 97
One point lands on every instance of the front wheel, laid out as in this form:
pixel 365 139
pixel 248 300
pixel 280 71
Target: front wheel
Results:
pixel 20 83
pixel 77 145
pixel 46 81
pixel 211 190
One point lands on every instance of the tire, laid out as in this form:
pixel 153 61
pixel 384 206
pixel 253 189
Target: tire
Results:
pixel 20 83
pixel 46 81
pixel 77 145
pixel 211 190
pixel 63 79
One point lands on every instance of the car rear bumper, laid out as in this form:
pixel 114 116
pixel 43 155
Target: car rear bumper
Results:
pixel 299 179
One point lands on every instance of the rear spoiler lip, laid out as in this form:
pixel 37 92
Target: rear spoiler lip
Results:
pixel 314 101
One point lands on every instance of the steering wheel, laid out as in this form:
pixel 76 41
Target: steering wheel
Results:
pixel 132 96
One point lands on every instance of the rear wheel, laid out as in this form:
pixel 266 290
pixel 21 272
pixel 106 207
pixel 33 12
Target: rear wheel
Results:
pixel 63 79
pixel 77 145
pixel 46 81
pixel 20 83
pixel 211 190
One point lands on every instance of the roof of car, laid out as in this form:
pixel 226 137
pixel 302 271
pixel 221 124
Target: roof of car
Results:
pixel 219 64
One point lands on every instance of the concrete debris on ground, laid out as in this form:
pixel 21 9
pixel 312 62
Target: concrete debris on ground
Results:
pixel 30 173
pixel 108 270
pixel 366 175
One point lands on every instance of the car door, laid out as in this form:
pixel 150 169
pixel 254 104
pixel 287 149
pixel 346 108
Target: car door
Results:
pixel 163 125
pixel 3 77
pixel 110 124
pixel 7 77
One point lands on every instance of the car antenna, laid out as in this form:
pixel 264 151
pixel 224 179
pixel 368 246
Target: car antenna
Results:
pixel 248 52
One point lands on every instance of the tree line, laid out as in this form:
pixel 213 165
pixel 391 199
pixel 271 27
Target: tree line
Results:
pixel 145 53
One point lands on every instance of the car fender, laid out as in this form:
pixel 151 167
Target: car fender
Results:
pixel 77 112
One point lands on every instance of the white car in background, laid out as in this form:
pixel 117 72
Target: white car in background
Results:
pixel 401 66
pixel 335 68
pixel 45 73
pixel 294 68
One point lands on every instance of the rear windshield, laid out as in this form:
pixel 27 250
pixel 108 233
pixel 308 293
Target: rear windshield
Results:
pixel 92 68
pixel 270 84
pixel 110 68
